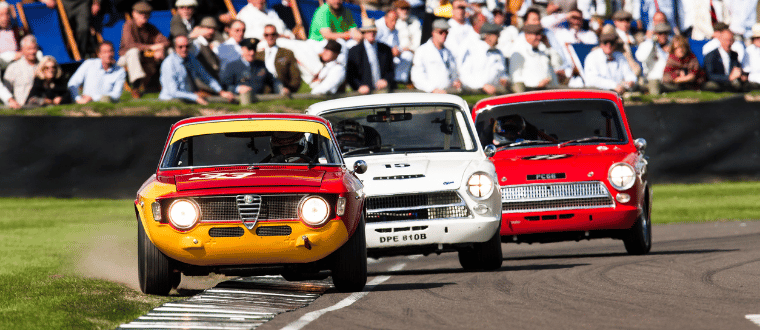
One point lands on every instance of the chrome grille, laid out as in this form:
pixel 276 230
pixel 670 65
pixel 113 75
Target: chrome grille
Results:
pixel 234 208
pixel 555 196
pixel 248 209
pixel 277 207
pixel 436 205
pixel 218 209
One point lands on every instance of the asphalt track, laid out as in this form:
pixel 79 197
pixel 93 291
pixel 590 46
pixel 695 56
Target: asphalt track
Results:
pixel 697 276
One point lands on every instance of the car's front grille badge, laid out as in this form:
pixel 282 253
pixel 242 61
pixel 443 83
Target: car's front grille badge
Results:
pixel 248 207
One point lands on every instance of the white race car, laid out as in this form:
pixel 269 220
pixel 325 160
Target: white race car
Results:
pixel 430 187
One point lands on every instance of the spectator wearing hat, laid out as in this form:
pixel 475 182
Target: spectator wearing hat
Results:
pixel 204 45
pixel 100 78
pixel 461 32
pixel 484 66
pixel 333 73
pixel 255 15
pixel 247 76
pixel 19 77
pixel 530 67
pixel 653 55
pixel 608 69
pixel 723 66
pixel 142 49
pixel 370 63
pixel 333 21
pixel 622 21
pixel 179 72
pixel 229 50
pixel 682 69
pixel 751 63
pixel 434 69
pixel 280 62
pixel 184 22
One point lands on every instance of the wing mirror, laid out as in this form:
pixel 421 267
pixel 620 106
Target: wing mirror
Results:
pixel 360 167
pixel 640 144
pixel 490 150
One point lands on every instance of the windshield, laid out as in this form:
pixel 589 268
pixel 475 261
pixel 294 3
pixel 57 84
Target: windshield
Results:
pixel 402 129
pixel 251 148
pixel 550 122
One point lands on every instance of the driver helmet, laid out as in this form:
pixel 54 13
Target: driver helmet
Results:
pixel 508 129
pixel 350 135
pixel 283 139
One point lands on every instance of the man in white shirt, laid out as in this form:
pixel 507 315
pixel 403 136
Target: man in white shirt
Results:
pixel 714 43
pixel 461 33
pixel 484 67
pixel 434 69
pixel 622 21
pixel 408 27
pixel 653 55
pixel 751 63
pixel 229 51
pixel 530 67
pixel 332 75
pixel 608 69
pixel 255 15
pixel 389 35
pixel 565 36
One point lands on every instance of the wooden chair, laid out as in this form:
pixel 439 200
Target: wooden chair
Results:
pixel 44 23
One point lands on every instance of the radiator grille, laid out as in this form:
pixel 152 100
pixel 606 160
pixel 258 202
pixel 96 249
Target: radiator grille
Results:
pixel 226 232
pixel 235 209
pixel 248 206
pixel 436 205
pixel 273 230
pixel 555 196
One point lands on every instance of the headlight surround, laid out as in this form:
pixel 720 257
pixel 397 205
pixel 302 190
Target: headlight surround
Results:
pixel 480 185
pixel 184 214
pixel 621 176
pixel 313 210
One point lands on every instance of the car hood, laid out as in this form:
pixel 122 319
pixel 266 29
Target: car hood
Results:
pixel 250 178
pixel 535 165
pixel 399 173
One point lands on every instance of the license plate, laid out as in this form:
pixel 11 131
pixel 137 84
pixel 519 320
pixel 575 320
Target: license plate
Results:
pixel 403 238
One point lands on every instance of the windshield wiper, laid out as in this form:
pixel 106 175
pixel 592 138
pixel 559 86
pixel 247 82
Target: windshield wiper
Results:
pixel 525 142
pixel 587 139
pixel 351 152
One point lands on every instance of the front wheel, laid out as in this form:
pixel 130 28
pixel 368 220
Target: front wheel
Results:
pixel 154 268
pixel 349 273
pixel 638 239
pixel 486 255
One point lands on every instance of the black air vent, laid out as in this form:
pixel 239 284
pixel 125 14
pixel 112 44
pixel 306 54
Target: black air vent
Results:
pixel 274 230
pixel 226 232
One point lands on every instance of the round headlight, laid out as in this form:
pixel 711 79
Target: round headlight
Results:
pixel 480 185
pixel 622 176
pixel 184 213
pixel 314 210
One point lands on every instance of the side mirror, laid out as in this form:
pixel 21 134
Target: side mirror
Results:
pixel 360 167
pixel 640 144
pixel 490 150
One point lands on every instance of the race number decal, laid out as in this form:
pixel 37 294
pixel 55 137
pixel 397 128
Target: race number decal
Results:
pixel 217 176
pixel 403 238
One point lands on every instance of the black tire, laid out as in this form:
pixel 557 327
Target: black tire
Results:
pixel 349 273
pixel 638 239
pixel 154 268
pixel 485 256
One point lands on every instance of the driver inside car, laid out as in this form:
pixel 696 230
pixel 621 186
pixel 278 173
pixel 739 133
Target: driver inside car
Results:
pixel 509 129
pixel 287 147
pixel 350 135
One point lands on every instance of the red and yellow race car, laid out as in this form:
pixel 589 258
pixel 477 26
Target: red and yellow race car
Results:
pixel 568 166
pixel 249 195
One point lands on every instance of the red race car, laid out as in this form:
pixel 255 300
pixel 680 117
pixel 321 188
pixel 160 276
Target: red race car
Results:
pixel 568 167
pixel 251 194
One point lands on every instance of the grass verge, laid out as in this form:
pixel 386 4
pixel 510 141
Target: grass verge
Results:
pixel 54 251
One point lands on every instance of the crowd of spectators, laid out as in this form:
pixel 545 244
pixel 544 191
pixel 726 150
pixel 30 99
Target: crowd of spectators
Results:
pixel 438 46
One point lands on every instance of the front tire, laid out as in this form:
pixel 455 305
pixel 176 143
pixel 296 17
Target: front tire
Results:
pixel 638 240
pixel 349 273
pixel 485 256
pixel 154 268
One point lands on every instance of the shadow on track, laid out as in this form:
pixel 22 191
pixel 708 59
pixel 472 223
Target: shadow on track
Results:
pixel 618 254
pixel 413 272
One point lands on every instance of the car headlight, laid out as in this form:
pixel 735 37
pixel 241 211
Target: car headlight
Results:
pixel 184 213
pixel 314 210
pixel 480 185
pixel 622 176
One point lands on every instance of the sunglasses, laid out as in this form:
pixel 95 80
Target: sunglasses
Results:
pixel 461 7
pixel 442 31
pixel 180 46
pixel 270 34
pixel 608 42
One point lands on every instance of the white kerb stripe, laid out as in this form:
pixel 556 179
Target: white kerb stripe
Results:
pixel 755 318
pixel 309 317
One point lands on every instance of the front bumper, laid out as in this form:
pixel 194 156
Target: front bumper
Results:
pixel 618 217
pixel 435 231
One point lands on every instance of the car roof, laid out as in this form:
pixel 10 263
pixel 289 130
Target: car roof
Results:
pixel 546 95
pixel 384 100
pixel 251 116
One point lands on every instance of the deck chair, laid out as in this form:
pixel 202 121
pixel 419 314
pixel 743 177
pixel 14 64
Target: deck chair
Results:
pixel 111 31
pixel 578 53
pixel 696 48
pixel 45 24
pixel 161 19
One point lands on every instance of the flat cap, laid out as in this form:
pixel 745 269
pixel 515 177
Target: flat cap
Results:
pixel 368 25
pixel 622 15
pixel 490 28
pixel 334 46
pixel 608 37
pixel 186 3
pixel 441 24
pixel 208 22
pixel 401 4
pixel 720 26
pixel 662 28
pixel 249 43
pixel 142 7
pixel 533 29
